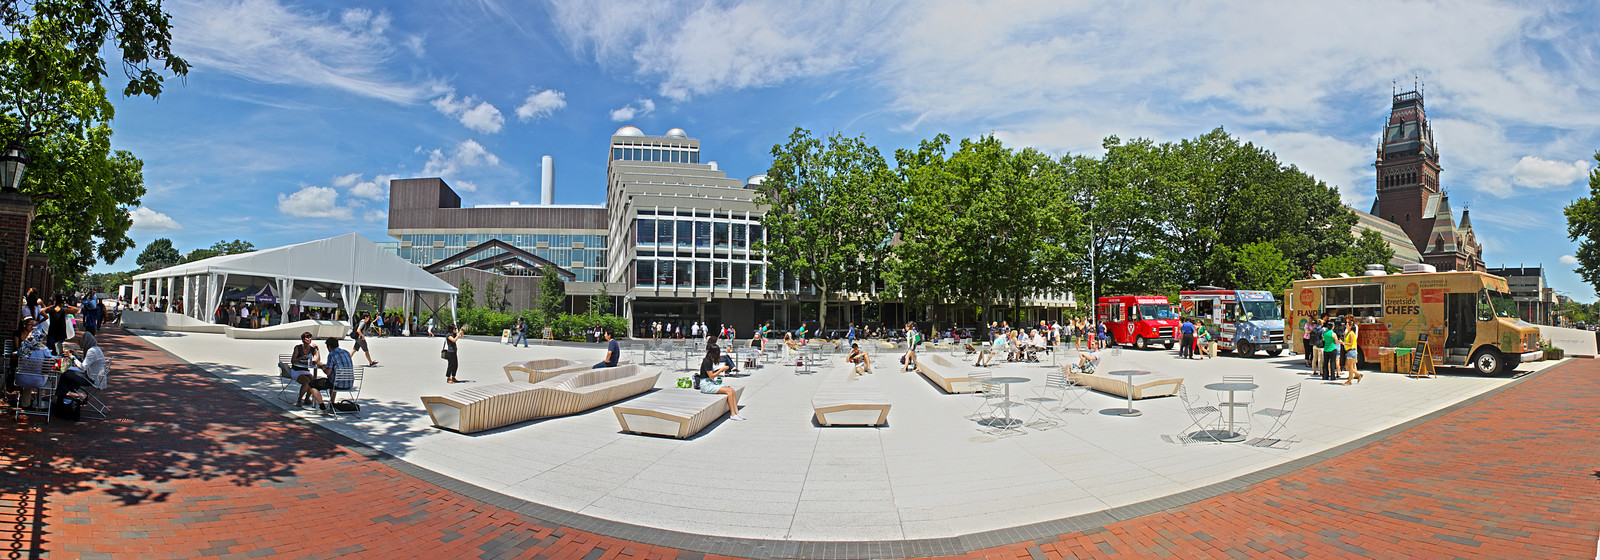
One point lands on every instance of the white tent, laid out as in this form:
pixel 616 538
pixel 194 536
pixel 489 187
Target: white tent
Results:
pixel 349 261
pixel 310 298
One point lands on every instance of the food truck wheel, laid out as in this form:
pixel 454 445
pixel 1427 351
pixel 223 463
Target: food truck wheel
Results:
pixel 1168 345
pixel 1488 361
pixel 1246 349
pixel 1275 353
pixel 1140 343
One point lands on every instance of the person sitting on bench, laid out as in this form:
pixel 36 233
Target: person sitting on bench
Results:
pixel 709 380
pixel 863 363
pixel 613 352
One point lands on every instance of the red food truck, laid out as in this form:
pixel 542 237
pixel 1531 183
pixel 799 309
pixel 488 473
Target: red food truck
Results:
pixel 1138 320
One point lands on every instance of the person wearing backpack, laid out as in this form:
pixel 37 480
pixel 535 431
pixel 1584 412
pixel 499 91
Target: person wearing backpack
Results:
pixel 913 337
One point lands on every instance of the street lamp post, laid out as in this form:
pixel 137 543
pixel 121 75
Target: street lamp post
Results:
pixel 13 164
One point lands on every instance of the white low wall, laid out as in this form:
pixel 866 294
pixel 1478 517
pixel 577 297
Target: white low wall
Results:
pixel 183 323
pixel 1575 342
pixel 167 322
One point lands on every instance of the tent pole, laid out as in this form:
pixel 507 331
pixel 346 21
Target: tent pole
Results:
pixel 453 319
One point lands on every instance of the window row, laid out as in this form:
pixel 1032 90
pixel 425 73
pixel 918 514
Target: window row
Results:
pixel 655 154
pixel 521 240
pixel 690 233
pixel 668 273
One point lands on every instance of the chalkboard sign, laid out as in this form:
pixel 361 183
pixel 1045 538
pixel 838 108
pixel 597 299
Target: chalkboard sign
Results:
pixel 1420 354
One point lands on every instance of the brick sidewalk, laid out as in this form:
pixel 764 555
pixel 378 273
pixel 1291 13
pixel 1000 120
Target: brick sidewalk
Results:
pixel 190 468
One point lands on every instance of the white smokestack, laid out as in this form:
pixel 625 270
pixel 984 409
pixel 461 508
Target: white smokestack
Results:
pixel 547 182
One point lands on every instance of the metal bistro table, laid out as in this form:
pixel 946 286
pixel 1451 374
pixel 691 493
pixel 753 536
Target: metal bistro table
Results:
pixel 1231 435
pixel 1009 423
pixel 1130 411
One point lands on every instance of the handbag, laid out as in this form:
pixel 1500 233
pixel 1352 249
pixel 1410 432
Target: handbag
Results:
pixel 347 405
pixel 685 382
pixel 67 408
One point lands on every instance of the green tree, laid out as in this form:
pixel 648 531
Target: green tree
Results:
pixel 53 102
pixel 1371 248
pixel 466 296
pixel 600 304
pixel 1583 227
pixel 157 255
pixel 1334 265
pixel 828 206
pixel 552 294
pixel 494 295
pixel 1261 266
pixel 233 247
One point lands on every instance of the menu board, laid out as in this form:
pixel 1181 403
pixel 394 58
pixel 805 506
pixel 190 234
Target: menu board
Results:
pixel 1420 353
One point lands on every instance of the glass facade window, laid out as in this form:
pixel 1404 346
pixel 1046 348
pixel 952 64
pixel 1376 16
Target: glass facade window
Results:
pixel 685 233
pixel 719 235
pixel 756 234
pixel 664 274
pixel 647 232
pixel 740 231
pixel 685 271
pixel 719 274
pixel 645 273
pixel 616 153
pixel 702 235
pixel 702 274
pixel 664 232
pixel 739 275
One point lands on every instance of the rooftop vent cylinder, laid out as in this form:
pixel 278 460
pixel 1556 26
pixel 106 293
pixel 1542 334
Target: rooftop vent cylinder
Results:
pixel 547 181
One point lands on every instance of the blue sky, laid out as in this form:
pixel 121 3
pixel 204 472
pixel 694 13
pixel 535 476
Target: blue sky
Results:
pixel 297 113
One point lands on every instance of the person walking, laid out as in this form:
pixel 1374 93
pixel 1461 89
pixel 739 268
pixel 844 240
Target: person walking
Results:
pixel 361 344
pixel 449 353
pixel 521 330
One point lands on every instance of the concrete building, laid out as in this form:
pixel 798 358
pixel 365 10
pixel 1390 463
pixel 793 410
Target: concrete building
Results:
pixel 673 241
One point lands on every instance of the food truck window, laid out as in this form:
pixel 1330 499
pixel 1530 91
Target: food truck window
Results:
pixel 1364 300
pixel 1485 309
pixel 1203 308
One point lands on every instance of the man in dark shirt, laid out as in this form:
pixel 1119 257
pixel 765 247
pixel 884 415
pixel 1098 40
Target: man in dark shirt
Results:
pixel 613 352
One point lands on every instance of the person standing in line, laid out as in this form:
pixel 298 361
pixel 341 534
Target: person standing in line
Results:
pixel 1186 343
pixel 451 335
pixel 1330 352
pixel 57 314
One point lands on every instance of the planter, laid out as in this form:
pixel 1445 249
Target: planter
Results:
pixel 1554 353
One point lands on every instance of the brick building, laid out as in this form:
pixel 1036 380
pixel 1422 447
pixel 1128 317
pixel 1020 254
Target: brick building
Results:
pixel 1409 193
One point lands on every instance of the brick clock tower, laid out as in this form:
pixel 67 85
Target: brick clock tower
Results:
pixel 1409 194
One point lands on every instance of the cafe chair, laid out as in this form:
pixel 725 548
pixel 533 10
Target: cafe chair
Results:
pixel 1200 421
pixel 346 381
pixel 93 407
pixel 1246 398
pixel 1279 418
pixel 36 379
pixel 1049 397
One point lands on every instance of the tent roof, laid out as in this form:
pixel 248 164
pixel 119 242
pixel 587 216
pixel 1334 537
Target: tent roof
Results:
pixel 346 259
pixel 310 298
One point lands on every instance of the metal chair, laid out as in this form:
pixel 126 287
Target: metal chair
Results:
pixel 93 407
pixel 286 376
pixel 348 381
pixel 988 392
pixel 1280 420
pixel 1077 392
pixel 1249 397
pixel 36 400
pixel 1198 411
pixel 1053 393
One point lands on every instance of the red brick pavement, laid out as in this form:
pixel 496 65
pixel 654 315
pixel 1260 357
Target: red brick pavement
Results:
pixel 189 468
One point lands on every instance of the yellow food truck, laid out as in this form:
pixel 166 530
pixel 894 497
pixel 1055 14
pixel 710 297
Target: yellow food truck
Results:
pixel 1468 316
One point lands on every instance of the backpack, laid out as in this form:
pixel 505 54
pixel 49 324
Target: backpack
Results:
pixel 67 408
pixel 347 405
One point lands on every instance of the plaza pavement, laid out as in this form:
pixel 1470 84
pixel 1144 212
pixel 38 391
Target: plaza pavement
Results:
pixel 931 473
pixel 187 463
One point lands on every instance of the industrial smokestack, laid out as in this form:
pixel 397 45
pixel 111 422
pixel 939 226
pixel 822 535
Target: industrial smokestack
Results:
pixel 547 181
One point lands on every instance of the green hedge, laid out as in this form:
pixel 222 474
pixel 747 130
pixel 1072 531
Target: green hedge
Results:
pixel 566 326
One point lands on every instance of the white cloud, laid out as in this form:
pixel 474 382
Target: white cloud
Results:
pixel 638 108
pixel 151 221
pixel 346 181
pixel 375 215
pixel 481 116
pixel 1569 260
pixel 541 104
pixel 1539 173
pixel 466 155
pixel 313 202
pixel 268 42
pixel 464 186
pixel 417 45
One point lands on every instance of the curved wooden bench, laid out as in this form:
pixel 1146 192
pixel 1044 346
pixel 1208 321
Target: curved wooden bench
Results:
pixel 501 404
pixel 674 413
pixel 850 400
pixel 941 371
pixel 535 371
pixel 1118 385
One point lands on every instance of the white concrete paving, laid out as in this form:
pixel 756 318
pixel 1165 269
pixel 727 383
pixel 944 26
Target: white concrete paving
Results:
pixel 930 473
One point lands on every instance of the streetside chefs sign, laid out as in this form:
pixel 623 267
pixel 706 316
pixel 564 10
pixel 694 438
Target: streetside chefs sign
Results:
pixel 1403 302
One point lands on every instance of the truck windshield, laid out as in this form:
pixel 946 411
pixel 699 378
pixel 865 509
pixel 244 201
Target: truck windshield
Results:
pixel 1260 311
pixel 1155 311
pixel 1503 304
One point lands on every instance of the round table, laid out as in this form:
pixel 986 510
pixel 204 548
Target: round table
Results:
pixel 1009 422
pixel 1231 435
pixel 1130 411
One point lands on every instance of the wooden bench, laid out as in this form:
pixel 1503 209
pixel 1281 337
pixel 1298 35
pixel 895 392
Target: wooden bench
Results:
pixel 501 404
pixel 534 371
pixel 850 400
pixel 941 371
pixel 675 413
pixel 1118 385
